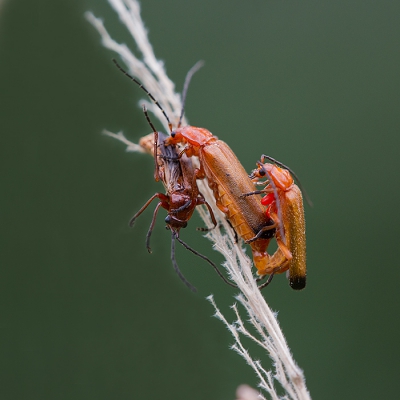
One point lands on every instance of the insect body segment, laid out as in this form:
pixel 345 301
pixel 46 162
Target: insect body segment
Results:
pixel 228 181
pixel 284 203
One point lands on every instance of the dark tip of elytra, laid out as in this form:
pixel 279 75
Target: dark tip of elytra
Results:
pixel 298 282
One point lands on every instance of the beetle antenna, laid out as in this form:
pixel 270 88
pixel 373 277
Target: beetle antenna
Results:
pixel 187 247
pixel 146 114
pixel 175 264
pixel 145 90
pixel 302 188
pixel 156 171
pixel 278 206
pixel 188 78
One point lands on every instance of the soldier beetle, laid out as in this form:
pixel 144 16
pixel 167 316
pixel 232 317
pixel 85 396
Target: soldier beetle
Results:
pixel 228 180
pixel 179 179
pixel 182 195
pixel 181 198
pixel 284 203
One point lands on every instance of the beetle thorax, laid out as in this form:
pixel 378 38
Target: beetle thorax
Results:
pixel 281 177
pixel 197 137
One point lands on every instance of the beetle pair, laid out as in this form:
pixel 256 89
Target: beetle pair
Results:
pixel 234 194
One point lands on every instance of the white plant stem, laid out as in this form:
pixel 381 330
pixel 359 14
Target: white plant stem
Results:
pixel 270 338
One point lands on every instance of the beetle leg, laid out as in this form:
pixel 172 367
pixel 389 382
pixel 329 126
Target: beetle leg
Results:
pixel 200 201
pixel 161 196
pixel 261 231
pixel 182 152
pixel 198 174
pixel 153 221
pixel 274 217
pixel 260 255
pixel 266 190
pixel 174 236
pixel 235 233
pixel 188 149
pixel 181 208
pixel 252 193
pixel 267 282
pixel 285 250
pixel 187 247
pixel 277 263
pixel 259 183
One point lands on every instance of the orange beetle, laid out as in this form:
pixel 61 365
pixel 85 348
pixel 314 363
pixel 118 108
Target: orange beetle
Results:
pixel 285 207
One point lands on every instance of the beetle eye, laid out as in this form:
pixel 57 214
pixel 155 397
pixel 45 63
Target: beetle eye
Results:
pixel 261 172
pixel 173 134
pixel 168 219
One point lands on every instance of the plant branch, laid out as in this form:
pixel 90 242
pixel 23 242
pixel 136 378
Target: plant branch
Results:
pixel 152 74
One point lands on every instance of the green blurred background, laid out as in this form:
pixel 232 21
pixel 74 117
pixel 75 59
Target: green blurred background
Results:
pixel 86 312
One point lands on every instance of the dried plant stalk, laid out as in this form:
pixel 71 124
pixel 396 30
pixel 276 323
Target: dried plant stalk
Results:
pixel 151 73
